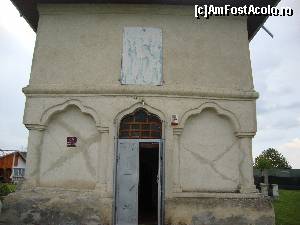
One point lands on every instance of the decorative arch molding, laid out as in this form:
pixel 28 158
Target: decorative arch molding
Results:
pixel 132 108
pixel 219 110
pixel 48 113
pixel 178 130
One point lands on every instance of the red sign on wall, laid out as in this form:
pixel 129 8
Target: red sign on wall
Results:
pixel 71 141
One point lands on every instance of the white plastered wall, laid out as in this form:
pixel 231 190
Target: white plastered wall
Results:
pixel 197 54
pixel 206 64
pixel 107 109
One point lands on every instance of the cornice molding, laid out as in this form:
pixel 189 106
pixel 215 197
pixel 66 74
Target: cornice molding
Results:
pixel 177 130
pixel 38 127
pixel 134 90
pixel 245 134
pixel 103 129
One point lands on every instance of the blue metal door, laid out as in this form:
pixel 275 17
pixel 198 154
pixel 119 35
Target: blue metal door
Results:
pixel 127 182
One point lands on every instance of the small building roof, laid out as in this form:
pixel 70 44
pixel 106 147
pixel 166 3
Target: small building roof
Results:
pixel 5 153
pixel 28 8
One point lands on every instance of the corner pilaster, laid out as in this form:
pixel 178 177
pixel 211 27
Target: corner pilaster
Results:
pixel 35 140
pixel 176 160
pixel 246 162
pixel 102 161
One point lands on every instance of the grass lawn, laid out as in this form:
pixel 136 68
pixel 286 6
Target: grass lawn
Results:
pixel 5 189
pixel 287 208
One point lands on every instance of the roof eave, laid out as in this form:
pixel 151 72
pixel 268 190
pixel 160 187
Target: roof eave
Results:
pixel 28 8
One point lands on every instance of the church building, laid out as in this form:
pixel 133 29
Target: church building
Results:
pixel 139 114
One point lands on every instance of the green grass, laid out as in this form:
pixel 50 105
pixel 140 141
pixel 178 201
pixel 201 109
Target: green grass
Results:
pixel 287 208
pixel 5 189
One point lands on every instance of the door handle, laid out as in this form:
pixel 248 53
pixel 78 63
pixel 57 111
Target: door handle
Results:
pixel 130 189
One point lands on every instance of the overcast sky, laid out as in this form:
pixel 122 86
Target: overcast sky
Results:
pixel 275 64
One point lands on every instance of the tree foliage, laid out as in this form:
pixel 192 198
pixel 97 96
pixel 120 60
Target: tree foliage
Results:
pixel 271 159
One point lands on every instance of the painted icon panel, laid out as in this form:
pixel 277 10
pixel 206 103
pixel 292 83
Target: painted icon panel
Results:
pixel 142 56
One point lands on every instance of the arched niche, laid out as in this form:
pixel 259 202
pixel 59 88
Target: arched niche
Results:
pixel 209 150
pixel 62 165
pixel 217 108
pixel 61 107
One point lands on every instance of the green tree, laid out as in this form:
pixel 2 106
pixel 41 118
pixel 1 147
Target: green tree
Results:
pixel 271 159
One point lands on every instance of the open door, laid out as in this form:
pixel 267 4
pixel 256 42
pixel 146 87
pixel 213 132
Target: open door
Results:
pixel 139 170
pixel 127 182
pixel 148 183
pixel 160 185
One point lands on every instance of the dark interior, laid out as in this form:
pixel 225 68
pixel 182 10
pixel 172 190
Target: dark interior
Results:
pixel 148 187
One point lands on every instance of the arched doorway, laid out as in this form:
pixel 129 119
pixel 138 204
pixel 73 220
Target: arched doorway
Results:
pixel 139 169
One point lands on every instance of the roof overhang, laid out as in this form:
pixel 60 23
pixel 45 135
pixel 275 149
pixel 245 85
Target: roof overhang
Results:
pixel 28 8
pixel 7 153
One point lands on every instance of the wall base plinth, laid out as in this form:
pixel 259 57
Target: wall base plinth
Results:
pixel 56 206
pixel 248 190
pixel 219 211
